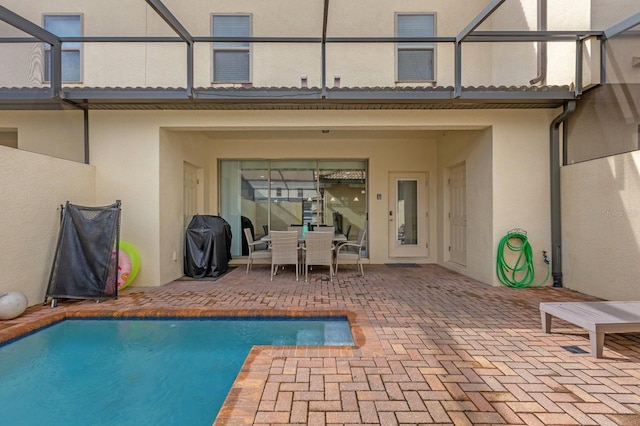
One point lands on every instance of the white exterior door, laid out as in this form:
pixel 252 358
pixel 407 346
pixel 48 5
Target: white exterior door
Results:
pixel 190 207
pixel 408 215
pixel 458 214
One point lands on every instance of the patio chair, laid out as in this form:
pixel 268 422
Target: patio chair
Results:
pixel 284 250
pixel 331 229
pixel 318 250
pixel 352 251
pixel 254 252
pixel 346 234
pixel 297 228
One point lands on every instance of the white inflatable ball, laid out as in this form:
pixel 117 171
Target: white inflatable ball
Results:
pixel 12 304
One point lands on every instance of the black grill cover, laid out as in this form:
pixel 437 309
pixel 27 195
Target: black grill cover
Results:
pixel 207 247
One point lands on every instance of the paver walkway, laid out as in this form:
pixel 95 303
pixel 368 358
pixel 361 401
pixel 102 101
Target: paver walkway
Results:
pixel 434 347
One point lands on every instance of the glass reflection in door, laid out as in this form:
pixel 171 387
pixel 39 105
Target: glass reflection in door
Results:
pixel 343 189
pixel 407 212
pixel 293 192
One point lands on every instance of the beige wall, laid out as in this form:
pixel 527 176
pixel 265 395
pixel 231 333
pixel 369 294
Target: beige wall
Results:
pixel 521 181
pixel 386 151
pixel 139 159
pixel 175 150
pixel 601 225
pixel 474 149
pixel 142 165
pixel 126 155
pixel 32 188
pixel 58 134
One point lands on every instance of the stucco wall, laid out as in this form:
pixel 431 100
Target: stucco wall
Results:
pixel 601 227
pixel 387 151
pixel 176 148
pixel 57 134
pixel 125 152
pixel 139 157
pixel 474 148
pixel 521 182
pixel 32 188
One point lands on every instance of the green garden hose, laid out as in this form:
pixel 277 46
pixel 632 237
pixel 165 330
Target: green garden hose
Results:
pixel 522 273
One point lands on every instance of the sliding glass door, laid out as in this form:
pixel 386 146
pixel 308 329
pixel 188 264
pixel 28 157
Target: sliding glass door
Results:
pixel 275 194
pixel 293 187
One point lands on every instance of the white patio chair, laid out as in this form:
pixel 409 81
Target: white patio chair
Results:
pixel 331 229
pixel 352 251
pixel 254 253
pixel 284 250
pixel 318 251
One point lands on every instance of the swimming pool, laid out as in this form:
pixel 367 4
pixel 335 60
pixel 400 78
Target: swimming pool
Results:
pixel 155 372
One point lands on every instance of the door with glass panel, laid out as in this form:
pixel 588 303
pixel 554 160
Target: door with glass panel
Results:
pixel 408 215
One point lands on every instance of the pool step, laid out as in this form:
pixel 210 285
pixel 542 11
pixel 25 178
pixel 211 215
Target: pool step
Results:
pixel 309 337
pixel 335 333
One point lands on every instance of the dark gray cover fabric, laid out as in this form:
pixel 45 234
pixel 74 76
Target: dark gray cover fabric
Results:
pixel 207 247
pixel 85 262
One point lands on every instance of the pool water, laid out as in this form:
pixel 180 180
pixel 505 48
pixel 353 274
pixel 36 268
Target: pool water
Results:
pixel 139 372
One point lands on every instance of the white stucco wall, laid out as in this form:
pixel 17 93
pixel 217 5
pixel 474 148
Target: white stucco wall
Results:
pixel 125 151
pixel 176 148
pixel 139 158
pixel 32 188
pixel 521 181
pixel 57 134
pixel 386 151
pixel 601 227
pixel 474 149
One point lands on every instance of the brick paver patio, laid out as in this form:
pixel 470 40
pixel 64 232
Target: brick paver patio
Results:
pixel 432 347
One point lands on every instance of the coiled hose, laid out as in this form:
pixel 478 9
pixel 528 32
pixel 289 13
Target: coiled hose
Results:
pixel 522 273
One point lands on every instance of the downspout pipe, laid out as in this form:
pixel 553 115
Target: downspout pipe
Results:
pixel 542 45
pixel 85 113
pixel 556 212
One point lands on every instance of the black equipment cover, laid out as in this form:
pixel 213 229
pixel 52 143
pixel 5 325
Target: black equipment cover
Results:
pixel 85 265
pixel 207 247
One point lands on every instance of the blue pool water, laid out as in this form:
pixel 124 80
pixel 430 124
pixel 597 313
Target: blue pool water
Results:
pixel 139 372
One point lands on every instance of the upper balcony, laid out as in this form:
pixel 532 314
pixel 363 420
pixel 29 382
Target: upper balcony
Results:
pixel 238 54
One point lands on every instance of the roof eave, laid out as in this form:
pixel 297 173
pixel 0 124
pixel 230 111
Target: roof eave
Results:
pixel 283 98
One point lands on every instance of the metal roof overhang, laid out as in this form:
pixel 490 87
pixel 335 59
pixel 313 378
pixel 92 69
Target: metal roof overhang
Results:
pixel 285 98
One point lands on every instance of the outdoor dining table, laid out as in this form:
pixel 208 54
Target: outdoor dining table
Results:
pixel 337 238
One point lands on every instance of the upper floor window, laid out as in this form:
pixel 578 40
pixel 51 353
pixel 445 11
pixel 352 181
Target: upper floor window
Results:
pixel 415 60
pixel 64 26
pixel 231 61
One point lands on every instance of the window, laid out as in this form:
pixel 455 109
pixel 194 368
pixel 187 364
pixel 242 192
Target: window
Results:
pixel 415 60
pixel 231 61
pixel 64 26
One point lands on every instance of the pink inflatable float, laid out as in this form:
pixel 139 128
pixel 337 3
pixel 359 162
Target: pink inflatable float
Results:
pixel 128 264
